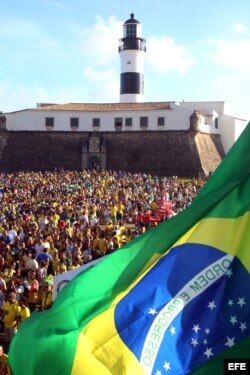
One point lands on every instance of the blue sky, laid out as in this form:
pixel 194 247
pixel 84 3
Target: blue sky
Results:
pixel 65 51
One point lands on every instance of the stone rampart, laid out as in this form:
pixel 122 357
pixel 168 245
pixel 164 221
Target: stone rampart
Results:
pixel 165 153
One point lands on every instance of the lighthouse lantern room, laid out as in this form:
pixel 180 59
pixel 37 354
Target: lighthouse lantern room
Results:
pixel 132 50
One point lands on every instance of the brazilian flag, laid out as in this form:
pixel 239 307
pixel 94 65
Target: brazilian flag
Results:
pixel 175 300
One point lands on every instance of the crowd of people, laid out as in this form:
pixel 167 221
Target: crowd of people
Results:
pixel 52 222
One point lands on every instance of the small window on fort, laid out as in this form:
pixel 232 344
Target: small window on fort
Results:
pixel 161 121
pixel 74 122
pixel 118 122
pixel 144 122
pixel 49 122
pixel 128 121
pixel 96 122
pixel 216 123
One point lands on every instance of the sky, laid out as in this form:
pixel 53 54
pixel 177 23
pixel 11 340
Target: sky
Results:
pixel 66 51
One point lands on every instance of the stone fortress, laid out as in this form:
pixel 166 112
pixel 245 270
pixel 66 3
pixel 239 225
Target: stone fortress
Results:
pixel 164 138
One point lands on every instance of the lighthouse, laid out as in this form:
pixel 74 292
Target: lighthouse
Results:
pixel 132 50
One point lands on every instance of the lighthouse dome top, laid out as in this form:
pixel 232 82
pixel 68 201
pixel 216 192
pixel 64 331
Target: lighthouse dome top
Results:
pixel 132 19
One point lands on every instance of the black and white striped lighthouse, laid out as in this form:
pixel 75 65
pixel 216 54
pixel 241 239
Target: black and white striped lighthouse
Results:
pixel 132 50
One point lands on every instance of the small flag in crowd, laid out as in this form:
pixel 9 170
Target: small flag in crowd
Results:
pixel 173 301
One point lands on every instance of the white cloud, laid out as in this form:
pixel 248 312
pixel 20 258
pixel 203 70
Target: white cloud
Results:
pixel 105 84
pixel 100 47
pixel 233 54
pixel 165 56
pixel 240 28
pixel 100 42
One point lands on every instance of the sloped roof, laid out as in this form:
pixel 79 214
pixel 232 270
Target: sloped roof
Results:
pixel 105 107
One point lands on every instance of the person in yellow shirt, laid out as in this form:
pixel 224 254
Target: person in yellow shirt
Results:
pixel 55 218
pixel 24 309
pixel 153 206
pixel 11 312
pixel 120 211
pixel 109 227
pixel 56 261
pixel 113 212
pixel 102 244
pixel 9 272
pixel 94 244
pixel 46 301
pixel 3 362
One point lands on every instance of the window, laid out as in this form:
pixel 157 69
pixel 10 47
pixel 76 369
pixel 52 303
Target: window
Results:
pixel 74 122
pixel 118 122
pixel 49 122
pixel 128 121
pixel 144 122
pixel 131 30
pixel 96 122
pixel 216 124
pixel 161 121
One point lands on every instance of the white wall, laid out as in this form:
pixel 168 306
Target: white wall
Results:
pixel 176 118
pixel 230 129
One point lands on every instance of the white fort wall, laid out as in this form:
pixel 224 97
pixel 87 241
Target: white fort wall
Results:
pixel 231 128
pixel 34 120
pixel 176 117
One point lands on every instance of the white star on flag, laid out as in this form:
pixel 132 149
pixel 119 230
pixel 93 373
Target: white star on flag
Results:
pixel 229 273
pixel 167 366
pixel 208 352
pixel 152 311
pixel 211 305
pixel 194 342
pixel 196 328
pixel 204 341
pixel 172 330
pixel 243 326
pixel 207 331
pixel 241 301
pixel 230 302
pixel 233 320
pixel 230 342
pixel 158 372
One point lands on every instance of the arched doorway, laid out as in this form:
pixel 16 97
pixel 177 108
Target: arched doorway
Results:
pixel 94 162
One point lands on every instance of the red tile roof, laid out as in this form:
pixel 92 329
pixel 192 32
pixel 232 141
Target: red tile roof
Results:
pixel 105 107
